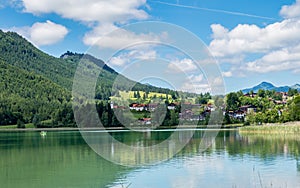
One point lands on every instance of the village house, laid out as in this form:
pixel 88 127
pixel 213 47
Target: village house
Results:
pixel 171 106
pixel 252 95
pixel 115 106
pixel 138 107
pixel 145 121
pixel 242 111
pixel 247 109
pixel 189 115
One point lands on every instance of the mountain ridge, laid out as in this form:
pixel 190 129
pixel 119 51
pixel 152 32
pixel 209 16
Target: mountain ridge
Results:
pixel 17 51
pixel 36 87
pixel 269 86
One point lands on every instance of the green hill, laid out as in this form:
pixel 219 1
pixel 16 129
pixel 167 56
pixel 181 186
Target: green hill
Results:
pixel 36 87
pixel 28 97
pixel 17 51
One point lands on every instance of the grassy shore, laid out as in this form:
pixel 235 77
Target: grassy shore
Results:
pixel 30 127
pixel 27 126
pixel 274 128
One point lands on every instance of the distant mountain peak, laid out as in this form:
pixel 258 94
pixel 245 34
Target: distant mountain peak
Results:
pixel 296 86
pixel 269 86
pixel 266 84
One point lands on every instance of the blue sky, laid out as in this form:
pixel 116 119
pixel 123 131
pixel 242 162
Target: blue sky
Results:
pixel 252 40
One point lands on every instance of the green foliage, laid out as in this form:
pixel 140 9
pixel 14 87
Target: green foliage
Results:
pixel 246 123
pixel 203 98
pixel 232 101
pixel 25 95
pixel 36 86
pixel 261 93
pixel 20 124
pixel 295 109
pixel 227 120
pixel 268 111
pixel 18 52
pixel 292 92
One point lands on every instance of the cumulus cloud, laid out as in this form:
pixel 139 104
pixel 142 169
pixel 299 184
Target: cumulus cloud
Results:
pixel 283 59
pixel 252 39
pixel 119 38
pixel 103 16
pixel 195 87
pixel 47 33
pixel 131 56
pixel 274 47
pixel 227 74
pixel 183 65
pixel 106 11
pixel 196 78
pixel 291 11
pixel 195 83
pixel 43 33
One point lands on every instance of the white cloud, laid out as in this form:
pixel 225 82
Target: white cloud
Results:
pixel 217 82
pixel 253 39
pixel 119 38
pixel 196 84
pixel 106 11
pixel 274 47
pixel 280 60
pixel 195 87
pixel 47 33
pixel 291 11
pixel 196 78
pixel 43 33
pixel 183 65
pixel 219 31
pixel 131 56
pixel 227 74
pixel 103 16
pixel 118 61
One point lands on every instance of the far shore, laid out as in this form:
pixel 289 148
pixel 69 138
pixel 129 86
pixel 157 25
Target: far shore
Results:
pixel 3 129
pixel 272 128
pixel 294 127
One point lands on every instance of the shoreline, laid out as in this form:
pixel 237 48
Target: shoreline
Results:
pixel 272 128
pixel 240 128
pixel 112 128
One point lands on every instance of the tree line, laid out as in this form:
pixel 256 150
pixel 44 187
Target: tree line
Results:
pixel 270 107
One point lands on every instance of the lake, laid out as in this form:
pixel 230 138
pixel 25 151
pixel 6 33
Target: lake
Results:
pixel 64 159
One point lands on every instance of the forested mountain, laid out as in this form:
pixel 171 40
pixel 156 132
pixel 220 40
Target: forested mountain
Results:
pixel 28 97
pixel 35 86
pixel 17 51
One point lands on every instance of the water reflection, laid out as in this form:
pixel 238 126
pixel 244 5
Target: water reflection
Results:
pixel 233 160
pixel 56 160
pixel 138 148
pixel 63 159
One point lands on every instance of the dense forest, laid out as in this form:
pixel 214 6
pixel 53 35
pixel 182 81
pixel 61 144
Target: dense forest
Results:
pixel 27 97
pixel 36 87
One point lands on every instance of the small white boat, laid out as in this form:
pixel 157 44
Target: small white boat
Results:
pixel 43 133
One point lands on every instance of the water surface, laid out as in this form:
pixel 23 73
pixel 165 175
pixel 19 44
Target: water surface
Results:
pixel 63 159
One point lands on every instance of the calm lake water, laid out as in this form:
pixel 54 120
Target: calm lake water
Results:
pixel 63 159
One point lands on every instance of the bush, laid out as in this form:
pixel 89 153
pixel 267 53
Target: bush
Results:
pixel 20 124
pixel 246 123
